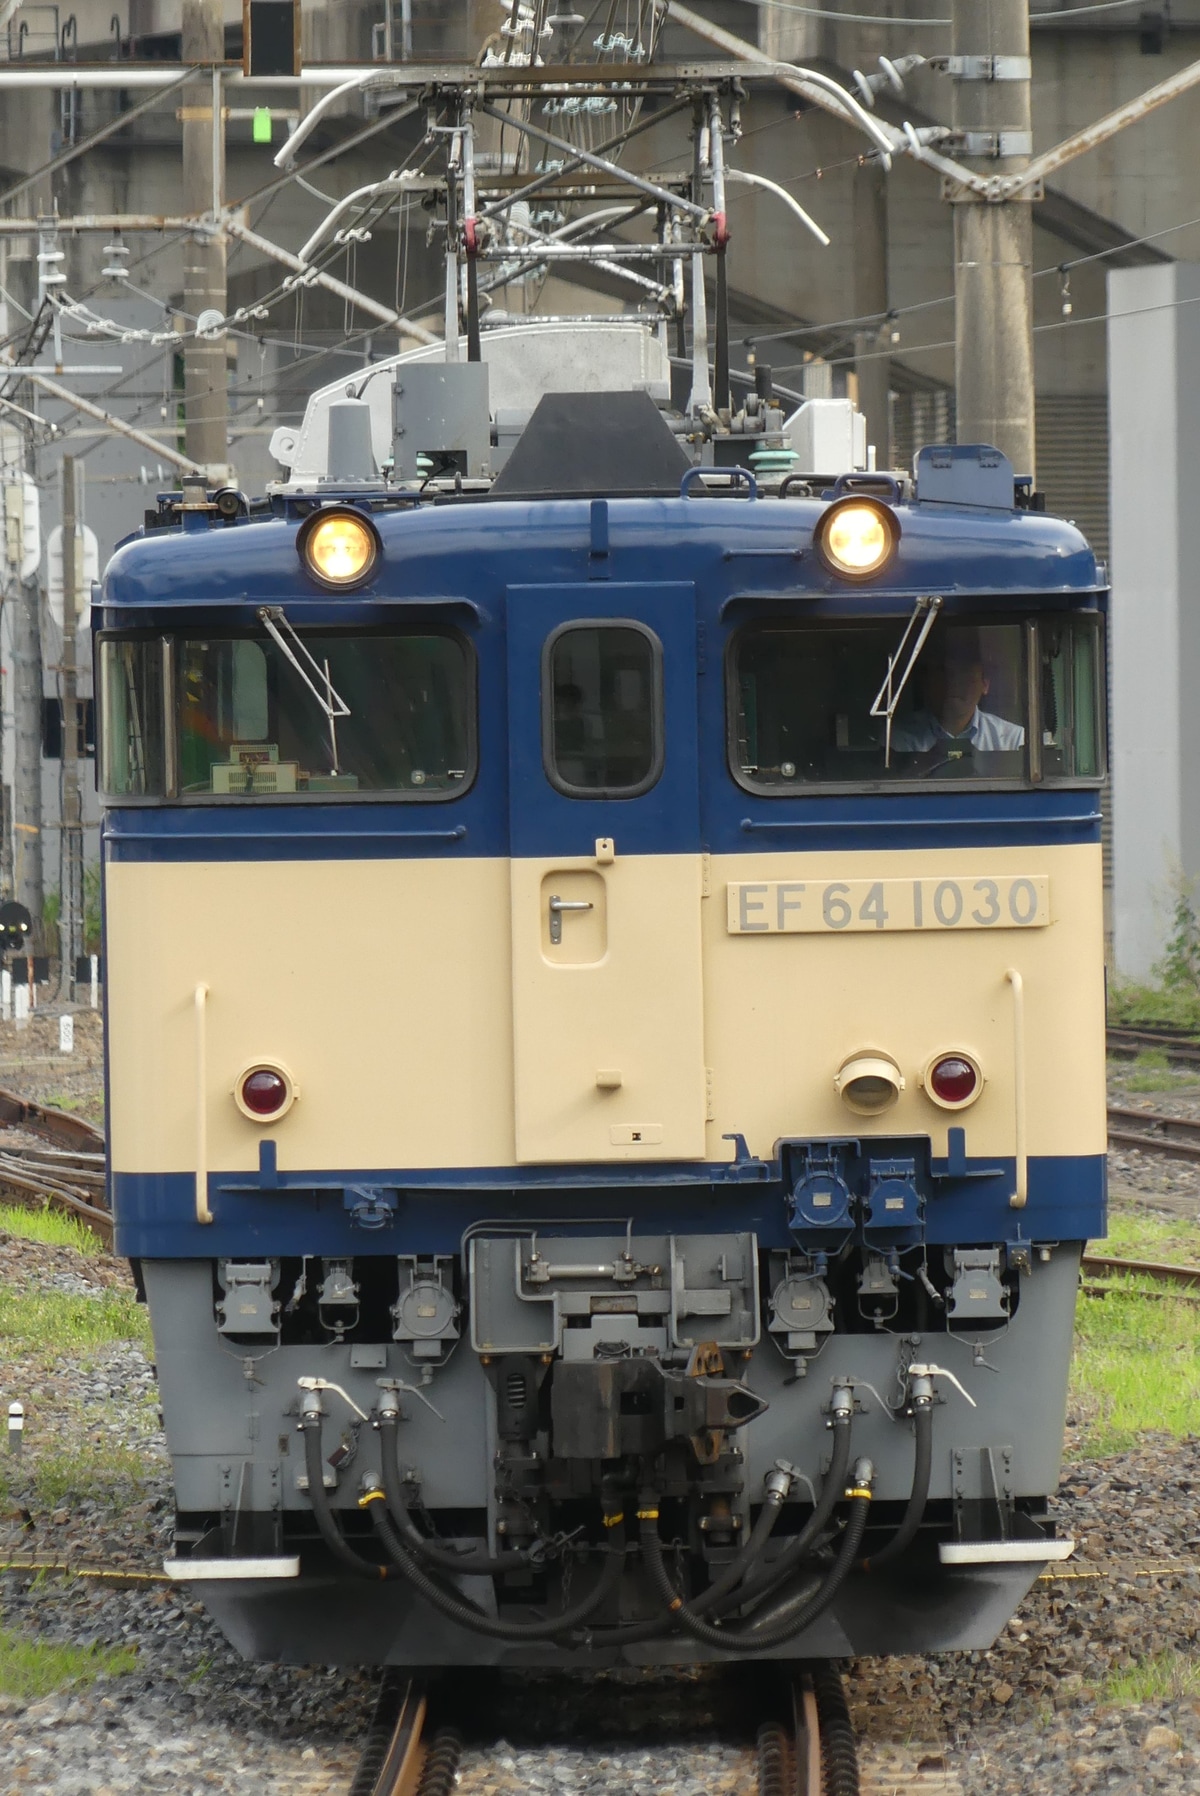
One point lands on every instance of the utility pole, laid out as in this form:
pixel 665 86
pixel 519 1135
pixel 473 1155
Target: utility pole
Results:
pixel 872 365
pixel 28 888
pixel 70 920
pixel 993 239
pixel 205 370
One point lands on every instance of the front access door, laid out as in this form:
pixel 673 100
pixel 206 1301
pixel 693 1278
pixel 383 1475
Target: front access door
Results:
pixel 606 871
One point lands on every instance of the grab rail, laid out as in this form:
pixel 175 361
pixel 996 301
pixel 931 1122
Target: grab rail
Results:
pixel 200 1001
pixel 1020 1195
pixel 734 475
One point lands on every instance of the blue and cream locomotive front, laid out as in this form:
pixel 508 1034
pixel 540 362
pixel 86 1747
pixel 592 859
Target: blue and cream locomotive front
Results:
pixel 613 990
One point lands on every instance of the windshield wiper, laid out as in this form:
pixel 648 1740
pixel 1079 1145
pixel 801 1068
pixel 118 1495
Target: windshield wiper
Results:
pixel 331 702
pixel 924 613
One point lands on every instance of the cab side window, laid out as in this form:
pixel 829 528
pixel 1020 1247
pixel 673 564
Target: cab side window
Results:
pixel 602 709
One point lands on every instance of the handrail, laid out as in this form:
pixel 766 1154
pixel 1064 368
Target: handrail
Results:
pixel 1020 1196
pixel 166 837
pixel 734 475
pixel 200 1001
pixel 749 824
pixel 868 483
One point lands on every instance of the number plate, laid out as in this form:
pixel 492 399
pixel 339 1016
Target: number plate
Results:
pixel 850 906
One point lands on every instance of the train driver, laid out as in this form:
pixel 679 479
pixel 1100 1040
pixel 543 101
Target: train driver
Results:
pixel 954 682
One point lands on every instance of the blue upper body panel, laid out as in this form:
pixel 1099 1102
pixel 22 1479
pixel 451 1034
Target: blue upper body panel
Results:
pixel 730 548
pixel 693 570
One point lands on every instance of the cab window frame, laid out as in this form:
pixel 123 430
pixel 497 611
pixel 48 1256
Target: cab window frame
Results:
pixel 241 630
pixel 658 746
pixel 1031 779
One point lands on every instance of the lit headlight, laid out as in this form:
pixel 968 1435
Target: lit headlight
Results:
pixel 857 537
pixel 338 548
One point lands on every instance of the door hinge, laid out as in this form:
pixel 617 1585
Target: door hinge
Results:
pixel 706 876
pixel 710 1114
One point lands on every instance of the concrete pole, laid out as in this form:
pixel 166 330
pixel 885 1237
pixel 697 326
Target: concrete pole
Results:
pixel 205 370
pixel 28 887
pixel 70 917
pixel 993 241
pixel 871 300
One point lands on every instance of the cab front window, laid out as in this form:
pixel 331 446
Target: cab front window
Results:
pixel 287 715
pixel 986 700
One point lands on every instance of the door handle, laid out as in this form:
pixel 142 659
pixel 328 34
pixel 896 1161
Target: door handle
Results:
pixel 557 907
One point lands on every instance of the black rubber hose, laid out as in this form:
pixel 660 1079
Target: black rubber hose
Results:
pixel 456 1609
pixel 722 1594
pixel 774 1575
pixel 433 1552
pixel 773 1630
pixel 322 1510
pixel 914 1512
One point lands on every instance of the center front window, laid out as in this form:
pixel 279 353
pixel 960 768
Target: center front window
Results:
pixel 988 701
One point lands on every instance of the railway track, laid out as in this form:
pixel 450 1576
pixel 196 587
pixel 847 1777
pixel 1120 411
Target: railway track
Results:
pixel 805 1745
pixel 1176 1137
pixel 1177 1044
pixel 63 1166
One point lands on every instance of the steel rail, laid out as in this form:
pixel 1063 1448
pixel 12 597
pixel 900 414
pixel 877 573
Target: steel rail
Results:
pixel 1185 1277
pixel 1176 1044
pixel 1176 1137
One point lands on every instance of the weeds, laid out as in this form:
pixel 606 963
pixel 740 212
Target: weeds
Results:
pixel 1141 1235
pixel 52 1479
pixel 59 1322
pixel 53 1227
pixel 1152 1071
pixel 1136 1366
pixel 33 1668
pixel 1167 1677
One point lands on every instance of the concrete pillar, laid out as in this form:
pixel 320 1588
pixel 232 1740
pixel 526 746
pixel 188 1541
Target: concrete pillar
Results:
pixel 1154 432
pixel 993 243
pixel 872 367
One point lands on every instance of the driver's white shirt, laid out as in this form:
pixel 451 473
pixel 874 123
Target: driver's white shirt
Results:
pixel 986 732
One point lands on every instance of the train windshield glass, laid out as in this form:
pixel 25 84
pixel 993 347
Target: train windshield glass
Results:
pixel 806 708
pixel 246 721
pixel 133 761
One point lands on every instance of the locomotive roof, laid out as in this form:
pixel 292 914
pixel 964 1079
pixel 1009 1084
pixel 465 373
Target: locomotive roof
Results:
pixel 466 550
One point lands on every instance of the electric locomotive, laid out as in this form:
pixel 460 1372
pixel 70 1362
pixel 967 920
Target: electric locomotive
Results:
pixel 605 1024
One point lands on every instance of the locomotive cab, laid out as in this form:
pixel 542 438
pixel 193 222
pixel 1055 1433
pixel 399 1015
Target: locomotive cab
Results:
pixel 606 1044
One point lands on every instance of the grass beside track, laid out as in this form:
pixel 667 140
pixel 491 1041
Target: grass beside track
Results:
pixel 51 1227
pixel 1136 1366
pixel 30 1668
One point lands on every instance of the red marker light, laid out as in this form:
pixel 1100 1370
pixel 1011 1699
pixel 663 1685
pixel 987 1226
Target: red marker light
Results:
pixel 264 1092
pixel 953 1079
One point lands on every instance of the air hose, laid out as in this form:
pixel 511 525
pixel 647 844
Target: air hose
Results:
pixel 774 1629
pixel 322 1509
pixel 431 1551
pixel 466 1615
pixel 905 1534
pixel 774 1575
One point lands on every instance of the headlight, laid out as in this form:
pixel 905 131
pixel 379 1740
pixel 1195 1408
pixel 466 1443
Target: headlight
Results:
pixel 338 548
pixel 869 1082
pixel 857 537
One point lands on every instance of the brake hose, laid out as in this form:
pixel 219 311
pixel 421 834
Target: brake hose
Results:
pixel 773 1630
pixel 905 1534
pixel 322 1509
pixel 432 1551
pixel 774 1575
pixel 407 1566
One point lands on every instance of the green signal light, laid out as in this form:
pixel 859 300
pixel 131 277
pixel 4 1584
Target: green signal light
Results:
pixel 262 124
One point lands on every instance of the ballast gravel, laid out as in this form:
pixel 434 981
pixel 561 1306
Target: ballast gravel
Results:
pixel 1028 1718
